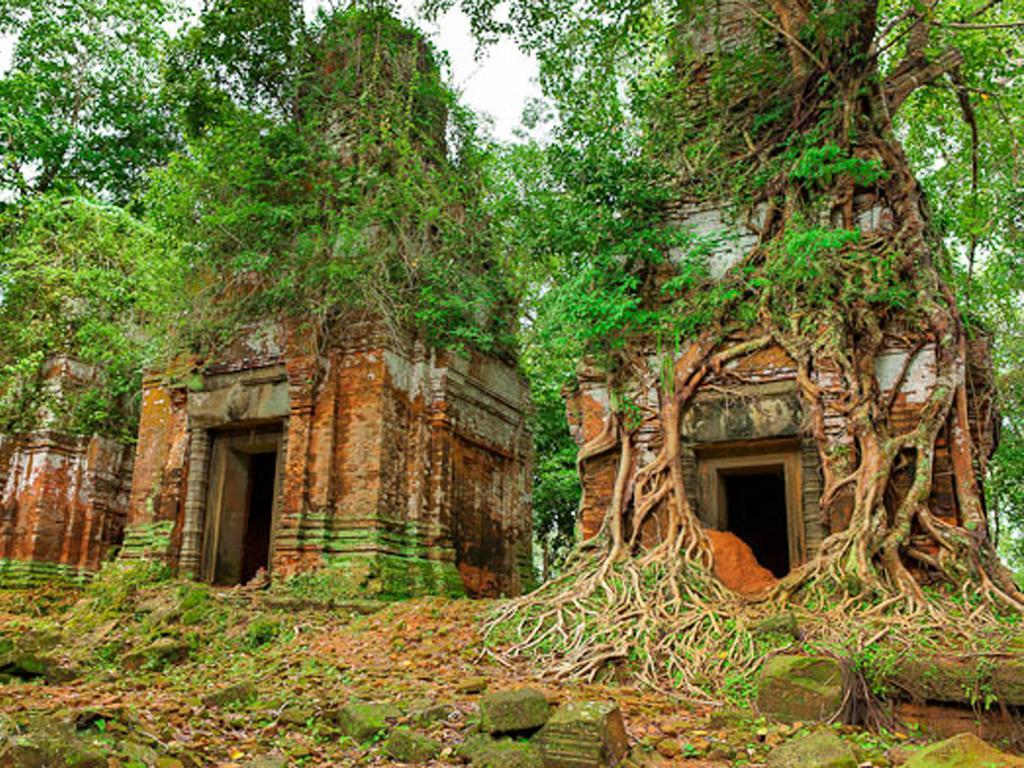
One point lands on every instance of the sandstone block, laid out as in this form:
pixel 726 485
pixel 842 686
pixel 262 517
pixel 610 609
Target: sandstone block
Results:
pixel 823 749
pixel 963 751
pixel 362 720
pixel 583 735
pixel 159 653
pixel 233 694
pixel 513 711
pixel 800 688
pixel 407 746
pixel 484 752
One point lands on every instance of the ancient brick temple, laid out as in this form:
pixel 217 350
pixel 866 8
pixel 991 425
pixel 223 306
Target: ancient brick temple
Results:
pixel 63 497
pixel 387 467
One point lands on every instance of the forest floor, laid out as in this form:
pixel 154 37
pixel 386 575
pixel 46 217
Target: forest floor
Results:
pixel 143 660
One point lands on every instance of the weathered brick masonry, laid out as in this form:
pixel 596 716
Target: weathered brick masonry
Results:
pixel 398 469
pixel 63 497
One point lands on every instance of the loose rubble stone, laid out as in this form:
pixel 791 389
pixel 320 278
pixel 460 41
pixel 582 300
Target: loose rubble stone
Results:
pixel 362 720
pixel 407 746
pixel 472 685
pixel 823 749
pixel 49 742
pixel 433 713
pixel 781 623
pixel 296 715
pixel 963 751
pixel 240 692
pixel 800 688
pixel 513 711
pixel 583 735
pixel 485 752
pixel 162 651
pixel 268 761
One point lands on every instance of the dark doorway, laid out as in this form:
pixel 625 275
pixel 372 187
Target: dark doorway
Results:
pixel 755 506
pixel 259 514
pixel 241 505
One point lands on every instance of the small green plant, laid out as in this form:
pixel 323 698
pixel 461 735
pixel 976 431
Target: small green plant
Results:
pixel 260 632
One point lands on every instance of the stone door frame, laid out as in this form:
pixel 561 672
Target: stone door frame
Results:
pixel 267 438
pixel 718 461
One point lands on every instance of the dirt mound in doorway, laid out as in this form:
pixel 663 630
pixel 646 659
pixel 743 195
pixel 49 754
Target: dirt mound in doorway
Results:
pixel 736 566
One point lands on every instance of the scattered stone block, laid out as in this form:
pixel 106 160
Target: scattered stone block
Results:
pixel 485 752
pixel 583 735
pixel 474 746
pixel 362 720
pixel 963 751
pixel 800 688
pixel 515 711
pixel 822 749
pixel 472 685
pixel 407 746
pixel 233 694
pixel 432 713
pixel 50 742
pixel 268 761
pixel 159 653
pixel 296 715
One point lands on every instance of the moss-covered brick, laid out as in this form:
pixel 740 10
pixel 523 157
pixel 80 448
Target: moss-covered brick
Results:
pixel 482 751
pixel 407 746
pixel 583 735
pixel 823 749
pixel 800 688
pixel 515 711
pixel 233 694
pixel 963 751
pixel 362 721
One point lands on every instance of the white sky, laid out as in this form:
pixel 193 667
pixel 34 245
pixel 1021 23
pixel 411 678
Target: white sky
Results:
pixel 497 86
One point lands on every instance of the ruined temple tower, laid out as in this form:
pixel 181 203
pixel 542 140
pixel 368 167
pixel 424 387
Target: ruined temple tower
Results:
pixel 63 496
pixel 766 440
pixel 360 454
pixel 397 468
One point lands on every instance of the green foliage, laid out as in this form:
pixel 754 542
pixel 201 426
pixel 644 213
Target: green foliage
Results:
pixel 329 173
pixel 829 162
pixel 81 105
pixel 82 280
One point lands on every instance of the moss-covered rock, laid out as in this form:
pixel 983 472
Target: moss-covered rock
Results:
pixel 513 711
pixel 45 742
pixel 823 749
pixel 963 751
pixel 482 751
pixel 407 746
pixel 800 688
pixel 783 623
pixel 233 694
pixel 583 735
pixel 158 654
pixel 362 721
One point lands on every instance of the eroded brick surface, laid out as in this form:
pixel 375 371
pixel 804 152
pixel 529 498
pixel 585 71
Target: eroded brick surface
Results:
pixel 403 470
pixel 63 504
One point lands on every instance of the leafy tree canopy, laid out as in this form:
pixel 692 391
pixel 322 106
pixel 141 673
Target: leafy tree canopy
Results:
pixel 329 172
pixel 81 280
pixel 81 105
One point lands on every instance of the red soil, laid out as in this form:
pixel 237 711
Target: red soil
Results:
pixel 736 566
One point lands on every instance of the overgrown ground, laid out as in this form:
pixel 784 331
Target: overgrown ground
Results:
pixel 136 701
